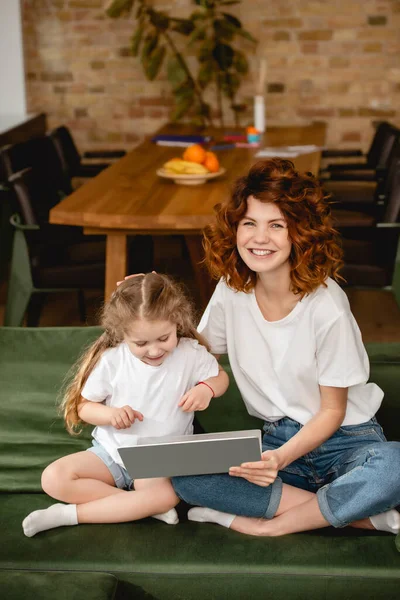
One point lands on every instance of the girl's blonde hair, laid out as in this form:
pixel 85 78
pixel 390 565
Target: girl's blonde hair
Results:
pixel 152 297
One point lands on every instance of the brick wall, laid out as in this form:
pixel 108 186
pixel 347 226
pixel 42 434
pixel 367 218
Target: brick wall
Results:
pixel 336 61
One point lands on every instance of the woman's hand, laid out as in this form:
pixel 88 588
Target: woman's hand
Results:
pixel 122 418
pixel 262 472
pixel 198 398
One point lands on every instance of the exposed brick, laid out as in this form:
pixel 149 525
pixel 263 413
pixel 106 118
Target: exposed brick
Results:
pixel 136 113
pixel 347 112
pixel 53 77
pixel 275 88
pixel 376 112
pixel 132 138
pixel 97 64
pixel 155 101
pixel 377 20
pixel 312 112
pixel 59 89
pixel 281 35
pixel 372 47
pixel 156 114
pixel 351 136
pixel 309 48
pixel 321 35
pixel 124 52
pixel 339 62
pixel 290 23
pixel 81 113
pixel 99 89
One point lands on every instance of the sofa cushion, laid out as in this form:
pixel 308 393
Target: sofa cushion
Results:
pixel 48 585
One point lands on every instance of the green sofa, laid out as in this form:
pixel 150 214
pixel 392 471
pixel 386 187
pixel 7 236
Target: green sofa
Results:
pixel 148 559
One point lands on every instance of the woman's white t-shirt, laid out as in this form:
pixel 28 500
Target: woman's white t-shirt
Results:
pixel 278 366
pixel 121 379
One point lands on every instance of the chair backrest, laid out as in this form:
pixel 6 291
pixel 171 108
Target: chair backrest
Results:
pixel 66 149
pixel 376 143
pixel 34 200
pixel 39 154
pixel 392 209
pixel 386 146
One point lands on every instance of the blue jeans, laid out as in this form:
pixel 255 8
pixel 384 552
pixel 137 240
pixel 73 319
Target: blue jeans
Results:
pixel 355 474
pixel 121 476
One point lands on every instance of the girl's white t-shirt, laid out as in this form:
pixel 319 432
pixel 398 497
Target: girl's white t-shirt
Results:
pixel 278 366
pixel 120 379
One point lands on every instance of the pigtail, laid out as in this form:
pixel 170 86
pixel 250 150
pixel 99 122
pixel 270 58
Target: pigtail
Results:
pixel 80 373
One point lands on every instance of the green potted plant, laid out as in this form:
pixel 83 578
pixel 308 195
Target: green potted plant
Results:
pixel 212 33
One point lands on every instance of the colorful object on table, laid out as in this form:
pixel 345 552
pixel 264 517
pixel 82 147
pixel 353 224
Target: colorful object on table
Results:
pixel 235 137
pixel 180 140
pixel 253 135
pixel 195 167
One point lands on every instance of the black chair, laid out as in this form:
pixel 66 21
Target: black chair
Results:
pixel 367 197
pixel 40 155
pixel 371 245
pixel 34 202
pixel 43 262
pixel 71 160
pixel 371 158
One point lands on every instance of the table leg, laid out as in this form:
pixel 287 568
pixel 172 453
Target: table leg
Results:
pixel 203 280
pixel 116 261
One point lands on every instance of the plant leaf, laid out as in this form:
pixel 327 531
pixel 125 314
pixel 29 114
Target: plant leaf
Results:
pixel 227 2
pixel 205 74
pixel 246 35
pixel 118 7
pixel 153 64
pixel 159 19
pixel 240 62
pixel 175 72
pixel 136 40
pixel 223 30
pixel 150 44
pixel 183 105
pixel 184 26
pixel 206 51
pixel 232 20
pixel 223 55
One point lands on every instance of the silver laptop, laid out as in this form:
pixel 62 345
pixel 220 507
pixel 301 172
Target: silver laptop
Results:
pixel 198 454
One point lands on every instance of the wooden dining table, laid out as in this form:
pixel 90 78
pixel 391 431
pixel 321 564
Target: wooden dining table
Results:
pixel 129 198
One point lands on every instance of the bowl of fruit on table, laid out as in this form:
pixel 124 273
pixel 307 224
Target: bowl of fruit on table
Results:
pixel 196 166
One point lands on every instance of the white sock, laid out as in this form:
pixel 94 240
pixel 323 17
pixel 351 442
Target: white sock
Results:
pixel 209 515
pixel 387 521
pixel 57 515
pixel 170 517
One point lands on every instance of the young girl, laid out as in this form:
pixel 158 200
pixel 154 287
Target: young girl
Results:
pixel 145 376
pixel 298 359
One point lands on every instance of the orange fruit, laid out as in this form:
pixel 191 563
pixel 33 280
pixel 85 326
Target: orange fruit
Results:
pixel 211 162
pixel 195 153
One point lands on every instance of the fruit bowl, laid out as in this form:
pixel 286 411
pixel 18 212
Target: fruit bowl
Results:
pixel 189 178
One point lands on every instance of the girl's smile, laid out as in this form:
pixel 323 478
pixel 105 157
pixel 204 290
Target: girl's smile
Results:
pixel 152 341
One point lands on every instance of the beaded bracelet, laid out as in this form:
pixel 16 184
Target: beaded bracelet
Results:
pixel 209 387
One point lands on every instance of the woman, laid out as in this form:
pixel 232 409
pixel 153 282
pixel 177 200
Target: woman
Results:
pixel 298 359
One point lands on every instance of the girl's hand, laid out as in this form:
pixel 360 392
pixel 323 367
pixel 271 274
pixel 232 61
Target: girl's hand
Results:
pixel 198 398
pixel 129 276
pixel 122 418
pixel 263 472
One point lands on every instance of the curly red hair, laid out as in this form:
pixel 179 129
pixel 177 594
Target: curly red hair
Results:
pixel 316 250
